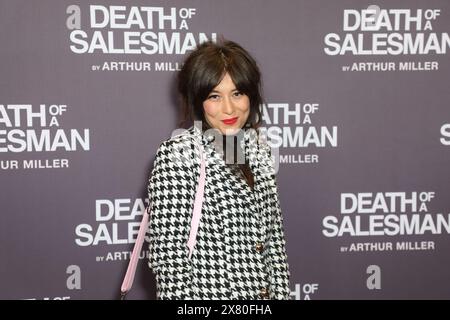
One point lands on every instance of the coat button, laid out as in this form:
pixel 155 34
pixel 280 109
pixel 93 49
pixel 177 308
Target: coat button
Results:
pixel 259 247
pixel 264 293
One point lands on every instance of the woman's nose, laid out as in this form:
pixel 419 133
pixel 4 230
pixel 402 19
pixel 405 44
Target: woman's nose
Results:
pixel 228 106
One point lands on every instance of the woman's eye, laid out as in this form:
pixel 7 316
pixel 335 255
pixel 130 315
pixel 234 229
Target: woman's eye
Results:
pixel 213 96
pixel 237 93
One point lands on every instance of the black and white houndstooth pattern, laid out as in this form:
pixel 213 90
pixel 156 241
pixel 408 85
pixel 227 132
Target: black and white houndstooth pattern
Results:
pixel 225 263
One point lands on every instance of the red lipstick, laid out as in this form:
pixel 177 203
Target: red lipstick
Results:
pixel 230 121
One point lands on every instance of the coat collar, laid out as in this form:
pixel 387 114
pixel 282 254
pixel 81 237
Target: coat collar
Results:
pixel 247 143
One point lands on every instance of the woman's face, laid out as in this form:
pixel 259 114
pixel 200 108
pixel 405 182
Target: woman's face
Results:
pixel 225 102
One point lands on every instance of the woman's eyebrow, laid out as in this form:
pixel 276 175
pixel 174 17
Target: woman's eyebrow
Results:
pixel 220 91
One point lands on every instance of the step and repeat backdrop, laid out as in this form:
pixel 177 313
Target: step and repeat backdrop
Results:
pixel 357 103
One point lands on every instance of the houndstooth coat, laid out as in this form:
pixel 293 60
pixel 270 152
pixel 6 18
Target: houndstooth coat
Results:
pixel 240 251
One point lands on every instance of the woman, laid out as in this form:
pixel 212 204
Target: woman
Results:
pixel 240 246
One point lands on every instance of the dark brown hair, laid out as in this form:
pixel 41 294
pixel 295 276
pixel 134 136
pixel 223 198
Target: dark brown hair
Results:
pixel 202 71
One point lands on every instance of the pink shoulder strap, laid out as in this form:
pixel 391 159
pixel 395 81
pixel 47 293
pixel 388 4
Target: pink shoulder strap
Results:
pixel 195 221
pixel 197 206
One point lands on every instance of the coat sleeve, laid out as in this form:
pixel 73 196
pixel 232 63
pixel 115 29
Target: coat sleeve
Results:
pixel 171 195
pixel 280 275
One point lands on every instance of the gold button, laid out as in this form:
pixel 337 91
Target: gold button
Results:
pixel 264 293
pixel 259 247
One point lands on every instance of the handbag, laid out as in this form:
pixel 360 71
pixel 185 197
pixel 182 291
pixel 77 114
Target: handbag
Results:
pixel 196 214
